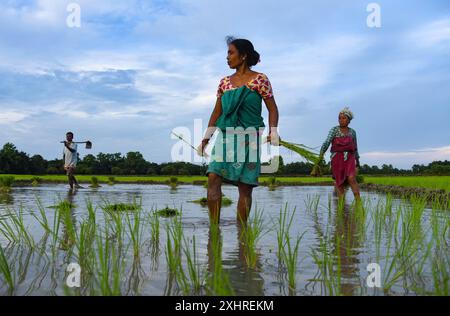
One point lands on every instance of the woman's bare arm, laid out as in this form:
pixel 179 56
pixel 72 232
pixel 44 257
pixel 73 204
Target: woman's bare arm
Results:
pixel 213 119
pixel 211 126
pixel 273 120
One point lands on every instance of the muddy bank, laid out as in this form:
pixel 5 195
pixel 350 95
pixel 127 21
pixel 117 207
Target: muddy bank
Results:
pixel 442 196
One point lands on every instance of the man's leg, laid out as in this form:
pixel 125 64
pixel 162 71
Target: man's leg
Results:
pixel 70 177
pixel 75 180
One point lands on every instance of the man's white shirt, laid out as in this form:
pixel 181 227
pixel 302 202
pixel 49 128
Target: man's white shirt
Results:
pixel 70 158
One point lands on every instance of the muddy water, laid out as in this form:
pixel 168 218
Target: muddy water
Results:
pixel 38 274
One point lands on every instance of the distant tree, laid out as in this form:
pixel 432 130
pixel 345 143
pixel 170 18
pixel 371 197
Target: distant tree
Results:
pixel 55 166
pixel 281 166
pixel 184 172
pixel 13 161
pixel 298 168
pixel 17 162
pixel 38 165
pixel 116 171
pixel 168 170
pixel 135 163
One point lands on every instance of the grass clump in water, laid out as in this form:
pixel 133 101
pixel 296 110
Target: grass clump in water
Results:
pixel 35 181
pixel 168 212
pixel 94 182
pixel 287 248
pixel 226 201
pixel 6 183
pixel 251 233
pixel 121 207
pixel 272 183
pixel 173 182
pixel 62 205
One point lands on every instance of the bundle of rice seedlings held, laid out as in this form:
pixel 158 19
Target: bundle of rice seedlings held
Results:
pixel 318 168
pixel 306 153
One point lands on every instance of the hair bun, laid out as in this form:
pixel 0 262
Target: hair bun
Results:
pixel 253 58
pixel 245 48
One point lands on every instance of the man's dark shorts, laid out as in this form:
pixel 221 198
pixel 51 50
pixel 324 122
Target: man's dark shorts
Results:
pixel 70 170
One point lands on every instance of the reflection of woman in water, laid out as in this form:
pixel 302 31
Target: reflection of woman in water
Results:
pixel 341 239
pixel 347 242
pixel 243 280
pixel 236 157
pixel 344 154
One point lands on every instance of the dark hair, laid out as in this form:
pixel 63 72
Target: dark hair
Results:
pixel 69 133
pixel 245 47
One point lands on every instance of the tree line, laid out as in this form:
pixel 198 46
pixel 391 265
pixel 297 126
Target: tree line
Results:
pixel 13 161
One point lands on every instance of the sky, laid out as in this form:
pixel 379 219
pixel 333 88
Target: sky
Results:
pixel 136 70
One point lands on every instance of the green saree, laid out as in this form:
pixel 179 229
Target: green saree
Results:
pixel 236 152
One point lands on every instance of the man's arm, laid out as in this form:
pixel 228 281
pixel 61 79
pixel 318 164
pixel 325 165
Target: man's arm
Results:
pixel 68 147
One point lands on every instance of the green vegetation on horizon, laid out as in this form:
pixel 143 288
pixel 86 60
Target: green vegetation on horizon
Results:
pixel 158 179
pixel 427 182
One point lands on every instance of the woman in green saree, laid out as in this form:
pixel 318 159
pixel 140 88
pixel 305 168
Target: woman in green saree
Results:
pixel 237 117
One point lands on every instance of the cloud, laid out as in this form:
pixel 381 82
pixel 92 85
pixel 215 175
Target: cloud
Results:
pixel 136 69
pixel 407 158
pixel 10 117
pixel 432 34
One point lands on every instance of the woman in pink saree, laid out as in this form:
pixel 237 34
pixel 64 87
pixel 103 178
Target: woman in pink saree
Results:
pixel 344 154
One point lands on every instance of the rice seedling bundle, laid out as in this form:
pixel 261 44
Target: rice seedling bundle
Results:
pixel 304 151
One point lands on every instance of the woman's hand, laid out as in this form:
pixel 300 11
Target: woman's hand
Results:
pixel 201 148
pixel 274 139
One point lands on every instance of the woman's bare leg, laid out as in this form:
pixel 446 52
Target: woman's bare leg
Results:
pixel 245 202
pixel 340 190
pixel 214 197
pixel 355 187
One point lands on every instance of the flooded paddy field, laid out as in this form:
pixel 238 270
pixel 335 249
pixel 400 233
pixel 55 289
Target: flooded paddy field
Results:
pixel 298 241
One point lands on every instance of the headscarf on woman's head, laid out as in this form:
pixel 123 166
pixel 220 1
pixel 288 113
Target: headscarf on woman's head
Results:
pixel 346 111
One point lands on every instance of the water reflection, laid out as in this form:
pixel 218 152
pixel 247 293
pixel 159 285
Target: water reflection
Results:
pixel 68 221
pixel 340 236
pixel 6 198
pixel 234 269
pixel 71 195
pixel 347 244
pixel 337 234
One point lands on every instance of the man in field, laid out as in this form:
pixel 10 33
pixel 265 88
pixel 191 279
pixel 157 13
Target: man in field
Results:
pixel 70 158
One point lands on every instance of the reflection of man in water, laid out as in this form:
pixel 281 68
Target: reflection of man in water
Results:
pixel 70 196
pixel 70 158
pixel 68 222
